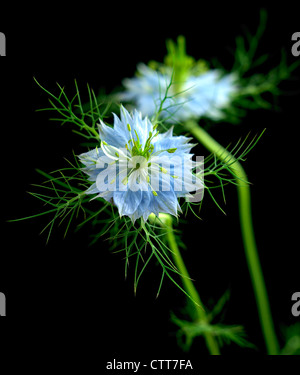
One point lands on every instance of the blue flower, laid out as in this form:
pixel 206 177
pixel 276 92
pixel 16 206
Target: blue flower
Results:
pixel 204 95
pixel 138 169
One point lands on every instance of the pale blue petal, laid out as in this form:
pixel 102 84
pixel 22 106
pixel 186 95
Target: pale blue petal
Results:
pixel 127 201
pixel 144 208
pixel 109 135
pixel 165 201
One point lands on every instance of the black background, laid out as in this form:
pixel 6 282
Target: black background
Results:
pixel 75 296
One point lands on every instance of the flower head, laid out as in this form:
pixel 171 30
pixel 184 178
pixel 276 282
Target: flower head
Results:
pixel 204 95
pixel 186 87
pixel 138 169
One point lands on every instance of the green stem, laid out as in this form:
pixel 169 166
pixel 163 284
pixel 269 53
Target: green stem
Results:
pixel 252 257
pixel 211 343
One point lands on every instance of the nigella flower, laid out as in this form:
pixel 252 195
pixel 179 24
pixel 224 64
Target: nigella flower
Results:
pixel 138 169
pixel 203 95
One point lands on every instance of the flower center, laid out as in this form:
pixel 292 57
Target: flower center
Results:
pixel 182 64
pixel 136 148
pixel 138 159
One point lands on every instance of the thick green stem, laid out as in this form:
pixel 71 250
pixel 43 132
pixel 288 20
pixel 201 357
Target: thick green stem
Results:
pixel 211 342
pixel 244 200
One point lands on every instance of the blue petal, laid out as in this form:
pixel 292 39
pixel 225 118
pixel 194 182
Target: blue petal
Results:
pixel 127 201
pixel 144 208
pixel 180 143
pixel 165 201
pixel 111 137
pixel 89 158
